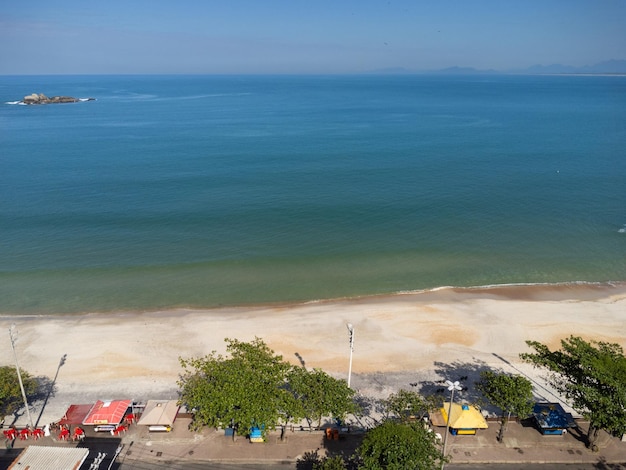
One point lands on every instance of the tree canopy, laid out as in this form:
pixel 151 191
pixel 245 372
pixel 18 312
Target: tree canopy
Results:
pixel 255 387
pixel 513 394
pixel 242 391
pixel 406 405
pixel 398 446
pixel 11 398
pixel 317 395
pixel 592 375
pixel 330 463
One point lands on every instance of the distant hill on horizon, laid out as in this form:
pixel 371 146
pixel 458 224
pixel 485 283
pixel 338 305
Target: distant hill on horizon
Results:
pixel 612 66
pixel 608 66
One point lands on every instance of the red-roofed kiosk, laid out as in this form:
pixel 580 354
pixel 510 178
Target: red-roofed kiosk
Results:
pixel 106 415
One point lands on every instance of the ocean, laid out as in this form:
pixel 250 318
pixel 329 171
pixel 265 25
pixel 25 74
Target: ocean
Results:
pixel 204 191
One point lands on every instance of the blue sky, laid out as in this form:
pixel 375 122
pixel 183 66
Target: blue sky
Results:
pixel 304 36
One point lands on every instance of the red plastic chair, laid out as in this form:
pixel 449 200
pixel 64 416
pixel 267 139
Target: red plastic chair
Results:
pixel 120 429
pixel 37 433
pixel 78 434
pixel 24 433
pixel 64 435
pixel 10 434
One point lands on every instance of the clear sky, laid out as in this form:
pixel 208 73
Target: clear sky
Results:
pixel 304 36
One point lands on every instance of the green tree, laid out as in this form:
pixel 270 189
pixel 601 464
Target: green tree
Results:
pixel 244 390
pixel 317 395
pixel 592 375
pixel 399 446
pixel 330 463
pixel 11 398
pixel 406 405
pixel 313 461
pixel 511 393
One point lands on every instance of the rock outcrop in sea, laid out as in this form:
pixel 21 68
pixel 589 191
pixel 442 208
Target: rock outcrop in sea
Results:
pixel 43 99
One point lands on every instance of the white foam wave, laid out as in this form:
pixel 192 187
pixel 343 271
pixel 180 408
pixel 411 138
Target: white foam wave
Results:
pixel 512 284
pixel 13 102
pixel 470 289
pixel 622 230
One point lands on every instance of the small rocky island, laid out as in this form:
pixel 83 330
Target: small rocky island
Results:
pixel 43 99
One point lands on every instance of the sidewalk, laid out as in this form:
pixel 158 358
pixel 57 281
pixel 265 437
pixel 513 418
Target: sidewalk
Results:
pixel 521 445
pixel 526 445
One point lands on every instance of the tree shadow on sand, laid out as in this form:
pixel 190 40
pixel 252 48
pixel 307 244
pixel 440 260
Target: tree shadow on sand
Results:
pixel 371 411
pixel 300 359
pixel 45 389
pixel 466 373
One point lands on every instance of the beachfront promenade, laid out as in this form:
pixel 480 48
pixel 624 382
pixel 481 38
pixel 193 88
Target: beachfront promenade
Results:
pixel 403 340
pixel 521 445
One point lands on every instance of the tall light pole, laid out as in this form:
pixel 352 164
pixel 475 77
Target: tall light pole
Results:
pixel 19 375
pixel 452 386
pixel 351 330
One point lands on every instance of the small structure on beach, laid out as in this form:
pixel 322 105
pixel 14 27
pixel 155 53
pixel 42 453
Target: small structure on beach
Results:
pixel 552 419
pixel 106 415
pixel 464 419
pixel 159 415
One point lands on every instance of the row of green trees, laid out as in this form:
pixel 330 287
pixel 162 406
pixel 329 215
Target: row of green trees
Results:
pixel 255 387
pixel 252 386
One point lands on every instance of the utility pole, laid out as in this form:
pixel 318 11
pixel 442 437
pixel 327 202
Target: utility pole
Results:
pixel 452 386
pixel 13 336
pixel 351 330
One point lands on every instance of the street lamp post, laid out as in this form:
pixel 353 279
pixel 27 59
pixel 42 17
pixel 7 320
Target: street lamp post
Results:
pixel 452 386
pixel 351 330
pixel 19 375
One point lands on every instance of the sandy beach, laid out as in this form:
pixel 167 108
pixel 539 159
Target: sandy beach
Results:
pixel 399 339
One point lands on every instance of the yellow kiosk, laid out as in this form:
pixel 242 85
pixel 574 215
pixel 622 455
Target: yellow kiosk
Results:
pixel 464 419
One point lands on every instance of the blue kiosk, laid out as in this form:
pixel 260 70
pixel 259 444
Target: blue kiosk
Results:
pixel 552 419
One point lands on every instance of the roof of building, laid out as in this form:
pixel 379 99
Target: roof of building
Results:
pixel 463 416
pixel 107 412
pixel 50 458
pixel 552 416
pixel 76 414
pixel 159 413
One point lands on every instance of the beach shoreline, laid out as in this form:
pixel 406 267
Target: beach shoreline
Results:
pixel 399 339
pixel 587 290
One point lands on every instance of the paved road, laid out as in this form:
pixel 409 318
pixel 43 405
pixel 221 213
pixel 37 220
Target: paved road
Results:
pixel 207 465
pixel 202 466
pixel 7 458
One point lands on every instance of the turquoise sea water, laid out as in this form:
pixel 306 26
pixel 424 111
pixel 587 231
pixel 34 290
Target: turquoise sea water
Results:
pixel 199 191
